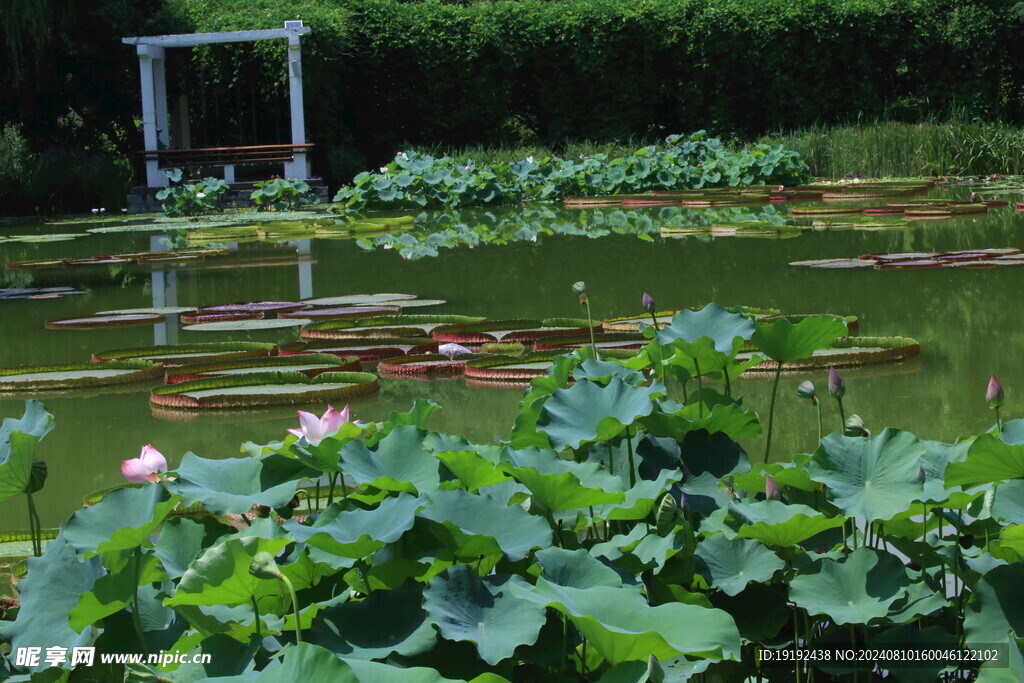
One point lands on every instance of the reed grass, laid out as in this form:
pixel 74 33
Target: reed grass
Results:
pixel 894 149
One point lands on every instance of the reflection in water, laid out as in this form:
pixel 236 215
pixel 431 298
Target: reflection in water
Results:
pixel 968 322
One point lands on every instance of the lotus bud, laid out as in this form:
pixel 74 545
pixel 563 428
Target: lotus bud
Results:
pixel 771 489
pixel 263 566
pixel 921 476
pixel 580 287
pixel 648 302
pixel 806 390
pixel 655 673
pixel 855 426
pixel 995 395
pixel 836 385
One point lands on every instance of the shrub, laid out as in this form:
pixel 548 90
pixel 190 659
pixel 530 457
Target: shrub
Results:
pixel 278 194
pixel 182 199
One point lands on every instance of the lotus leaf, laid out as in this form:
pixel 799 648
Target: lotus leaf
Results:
pixel 875 478
pixel 853 591
pixel 231 486
pixel 399 462
pixel 123 520
pixel 488 612
pixel 562 484
pixel 482 526
pixel 784 342
pixel 989 459
pixel 732 564
pixel 588 411
pixel 357 532
pixel 771 522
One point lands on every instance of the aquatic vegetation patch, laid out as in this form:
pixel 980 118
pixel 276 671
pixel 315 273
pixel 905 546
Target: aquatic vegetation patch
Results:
pixel 77 375
pixel 263 389
pixel 963 258
pixel 95 322
pixel 173 355
pixel 12 293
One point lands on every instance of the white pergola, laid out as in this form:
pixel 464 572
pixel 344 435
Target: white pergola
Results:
pixel 152 69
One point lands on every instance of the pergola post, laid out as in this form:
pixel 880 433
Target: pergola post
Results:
pixel 147 54
pixel 297 168
pixel 160 94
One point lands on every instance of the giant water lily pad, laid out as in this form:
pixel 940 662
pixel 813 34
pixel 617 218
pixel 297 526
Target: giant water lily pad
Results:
pixel 425 364
pixel 93 322
pixel 358 299
pixel 8 293
pixel 310 365
pixel 77 375
pixel 386 326
pixel 263 389
pixel 335 312
pixel 246 325
pixel 524 329
pixel 183 354
pixel 158 310
pixel 366 349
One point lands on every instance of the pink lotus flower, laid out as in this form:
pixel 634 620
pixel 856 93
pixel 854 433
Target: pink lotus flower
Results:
pixel 452 350
pixel 316 429
pixel 146 468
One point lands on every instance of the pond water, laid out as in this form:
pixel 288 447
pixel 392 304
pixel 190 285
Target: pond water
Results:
pixel 968 322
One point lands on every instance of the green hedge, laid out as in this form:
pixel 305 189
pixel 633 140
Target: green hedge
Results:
pixel 382 72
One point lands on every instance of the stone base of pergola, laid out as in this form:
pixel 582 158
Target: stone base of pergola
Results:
pixel 143 199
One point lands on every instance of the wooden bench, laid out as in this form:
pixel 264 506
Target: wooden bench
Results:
pixel 226 157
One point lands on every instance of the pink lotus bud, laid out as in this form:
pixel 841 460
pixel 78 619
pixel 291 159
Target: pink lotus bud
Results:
pixel 771 489
pixel 648 302
pixel 836 385
pixel 995 395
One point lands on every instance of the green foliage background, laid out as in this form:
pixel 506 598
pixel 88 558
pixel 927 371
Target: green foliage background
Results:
pixel 381 73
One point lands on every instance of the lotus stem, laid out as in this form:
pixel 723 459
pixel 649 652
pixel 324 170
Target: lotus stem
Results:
pixel 295 605
pixel 330 490
pixel 796 640
pixel 34 526
pixel 557 529
pixel 136 618
pixel 817 406
pixel 700 389
pixel 842 416
pixel 771 414
pixel 256 607
pixel 629 452
pixel 725 374
pixel 999 423
pixel 590 327
pixel 654 321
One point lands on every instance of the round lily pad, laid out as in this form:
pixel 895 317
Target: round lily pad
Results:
pixel 37 263
pixel 174 355
pixel 77 375
pixel 367 350
pixel 848 352
pixel 310 365
pixel 385 327
pixel 199 317
pixel 263 389
pixel 840 264
pixel 603 340
pixel 521 330
pixel 417 303
pixel 97 321
pixel 333 312
pixel 256 306
pixel 232 325
pixel 358 299
pixel 158 310
pixel 37 292
pixel 904 265
pixel 424 364
pixel 513 368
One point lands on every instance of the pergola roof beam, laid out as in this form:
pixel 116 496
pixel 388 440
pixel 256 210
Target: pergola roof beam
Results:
pixel 193 39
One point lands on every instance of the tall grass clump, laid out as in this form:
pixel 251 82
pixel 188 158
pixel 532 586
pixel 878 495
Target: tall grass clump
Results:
pixel 908 149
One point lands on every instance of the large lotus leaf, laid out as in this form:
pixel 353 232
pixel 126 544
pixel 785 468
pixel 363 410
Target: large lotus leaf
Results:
pixel 230 486
pixel 715 453
pixel 525 432
pixel 358 533
pixel 728 418
pixel 601 371
pixel 471 468
pixel 562 484
pixel 725 330
pixel 989 459
pixel 52 588
pixel 113 592
pixel 220 576
pixel 588 411
pixel 875 478
pixel 771 522
pixel 732 564
pixel 385 622
pixel 995 611
pixel 638 550
pixel 309 662
pixel 481 525
pixel 854 591
pixel 937 456
pixel 123 520
pixel 641 499
pixel 18 439
pixel 486 612
pixel 784 342
pixel 620 624
pixel 576 568
pixel 1008 506
pixel 912 635
pixel 399 462
pixel 182 540
pixel 228 657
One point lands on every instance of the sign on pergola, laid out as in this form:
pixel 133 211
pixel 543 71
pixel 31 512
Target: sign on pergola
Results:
pixel 152 69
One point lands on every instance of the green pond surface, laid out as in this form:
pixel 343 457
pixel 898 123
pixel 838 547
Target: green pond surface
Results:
pixel 969 323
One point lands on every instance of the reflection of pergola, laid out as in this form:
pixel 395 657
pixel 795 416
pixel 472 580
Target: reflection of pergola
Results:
pixel 155 121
